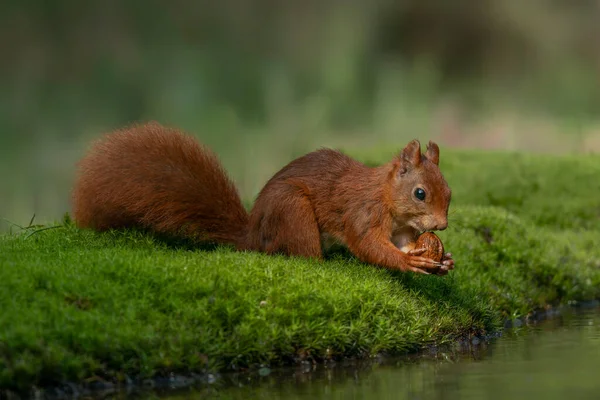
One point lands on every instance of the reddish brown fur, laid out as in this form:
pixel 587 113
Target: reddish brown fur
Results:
pixel 360 207
pixel 158 178
pixel 153 177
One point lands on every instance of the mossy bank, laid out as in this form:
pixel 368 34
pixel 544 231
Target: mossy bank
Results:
pixel 79 306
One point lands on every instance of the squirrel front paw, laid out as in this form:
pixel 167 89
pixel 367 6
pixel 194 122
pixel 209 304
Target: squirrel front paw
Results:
pixel 422 265
pixel 447 264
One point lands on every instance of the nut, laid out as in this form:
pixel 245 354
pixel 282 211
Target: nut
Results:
pixel 433 244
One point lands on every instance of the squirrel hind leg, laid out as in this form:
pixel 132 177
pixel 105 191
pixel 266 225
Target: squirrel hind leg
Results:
pixel 283 222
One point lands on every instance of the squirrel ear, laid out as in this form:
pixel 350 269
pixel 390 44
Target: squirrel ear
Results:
pixel 409 158
pixel 433 153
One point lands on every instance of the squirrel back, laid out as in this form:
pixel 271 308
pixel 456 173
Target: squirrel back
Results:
pixel 156 178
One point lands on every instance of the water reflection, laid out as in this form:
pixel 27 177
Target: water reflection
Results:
pixel 554 359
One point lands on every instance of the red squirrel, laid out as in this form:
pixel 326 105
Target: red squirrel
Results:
pixel 161 179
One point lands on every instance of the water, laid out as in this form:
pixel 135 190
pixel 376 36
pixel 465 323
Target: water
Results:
pixel 555 359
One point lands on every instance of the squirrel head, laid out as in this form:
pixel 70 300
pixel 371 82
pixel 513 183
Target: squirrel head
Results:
pixel 419 193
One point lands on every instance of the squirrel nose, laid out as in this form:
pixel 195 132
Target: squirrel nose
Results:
pixel 441 226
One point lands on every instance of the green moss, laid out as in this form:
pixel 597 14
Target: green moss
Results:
pixel 78 304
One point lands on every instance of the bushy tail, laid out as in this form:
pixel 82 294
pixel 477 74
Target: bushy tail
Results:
pixel 152 177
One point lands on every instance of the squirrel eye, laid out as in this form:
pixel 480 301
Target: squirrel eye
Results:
pixel 420 194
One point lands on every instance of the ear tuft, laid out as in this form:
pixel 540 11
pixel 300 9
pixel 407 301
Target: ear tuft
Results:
pixel 409 158
pixel 411 155
pixel 433 153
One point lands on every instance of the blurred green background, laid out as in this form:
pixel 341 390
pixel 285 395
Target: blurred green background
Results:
pixel 263 81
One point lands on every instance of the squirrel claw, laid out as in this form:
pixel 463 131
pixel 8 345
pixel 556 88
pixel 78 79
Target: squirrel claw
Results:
pixel 418 270
pixel 447 262
pixel 416 252
pixel 422 263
